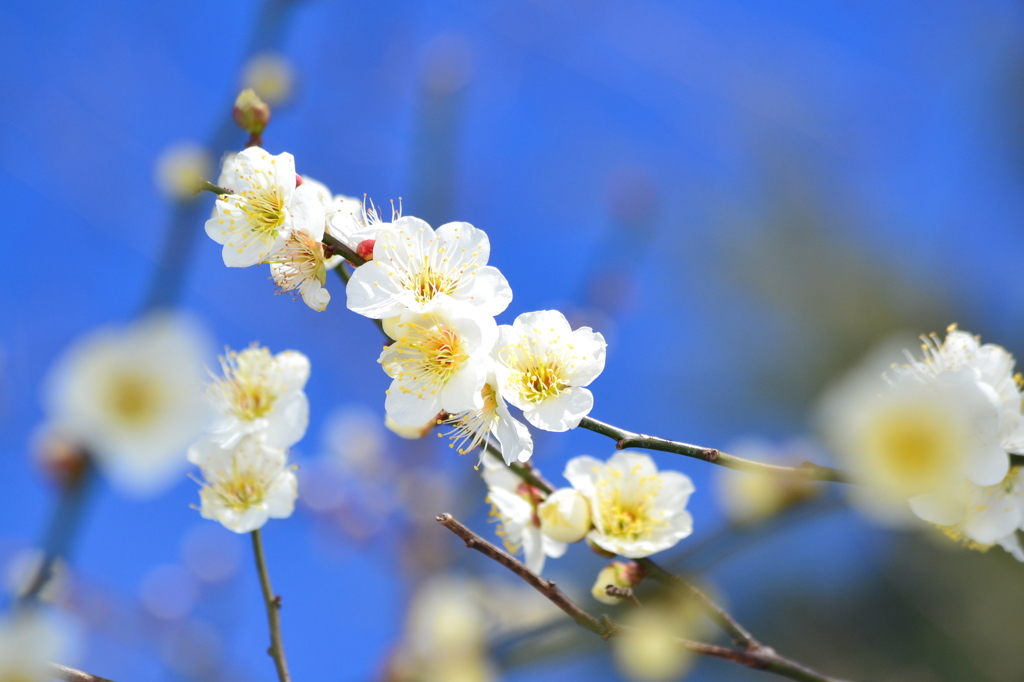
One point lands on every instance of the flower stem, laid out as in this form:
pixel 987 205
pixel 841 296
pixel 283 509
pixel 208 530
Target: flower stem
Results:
pixel 627 439
pixel 273 604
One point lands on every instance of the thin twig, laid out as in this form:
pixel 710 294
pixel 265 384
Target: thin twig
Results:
pixel 627 439
pixel 62 672
pixel 715 612
pixel 207 186
pixel 273 604
pixel 523 471
pixel 601 626
pixel 760 658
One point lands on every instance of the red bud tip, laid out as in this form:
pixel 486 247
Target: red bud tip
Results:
pixel 298 180
pixel 365 249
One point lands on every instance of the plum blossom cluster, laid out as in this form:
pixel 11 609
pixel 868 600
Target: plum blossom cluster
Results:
pixel 435 295
pixel 260 410
pixel 623 506
pixel 938 437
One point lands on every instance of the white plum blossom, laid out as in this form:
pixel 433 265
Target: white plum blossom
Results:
pixel 245 484
pixel 474 427
pixel 565 515
pixel 437 363
pixel 260 393
pixel 417 269
pixel 29 641
pixel 543 366
pixel 133 398
pixel 352 223
pixel 978 516
pixel 636 510
pixel 301 265
pixel 265 206
pixel 514 505
pixel 985 372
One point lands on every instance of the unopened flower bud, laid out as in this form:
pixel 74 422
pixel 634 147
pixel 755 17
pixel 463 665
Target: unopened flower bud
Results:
pixel 564 516
pixel 622 575
pixel 365 249
pixel 62 458
pixel 388 324
pixel 251 113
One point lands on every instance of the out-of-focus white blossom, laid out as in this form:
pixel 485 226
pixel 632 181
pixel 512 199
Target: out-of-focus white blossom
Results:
pixel 244 484
pixel 565 515
pixel 260 393
pixel 132 397
pixel 271 75
pixel 445 637
pixel 978 516
pixel 514 505
pixel 409 432
pixel 28 643
pixel 474 427
pixel 750 498
pixel 264 209
pixel 543 365
pixel 649 650
pixel 416 269
pixel 437 363
pixel 636 509
pixel 180 169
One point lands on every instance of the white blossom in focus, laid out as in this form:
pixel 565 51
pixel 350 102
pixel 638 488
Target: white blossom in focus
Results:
pixel 437 363
pixel 301 266
pixel 245 484
pixel 260 393
pixel 543 366
pixel 636 509
pixel 417 269
pixel 265 207
pixel 514 506
pixel 565 515
pixel 133 398
pixel 474 427
pixel 352 223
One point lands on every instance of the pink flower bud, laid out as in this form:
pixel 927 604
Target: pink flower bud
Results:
pixel 365 249
pixel 251 113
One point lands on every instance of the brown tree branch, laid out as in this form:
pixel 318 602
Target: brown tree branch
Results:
pixel 760 658
pixel 273 604
pixel 622 593
pixel 627 439
pixel 61 672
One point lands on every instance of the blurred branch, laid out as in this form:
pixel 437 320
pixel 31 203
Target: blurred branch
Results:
pixel 627 439
pixel 273 604
pixel 61 531
pixel 60 672
pixel 757 656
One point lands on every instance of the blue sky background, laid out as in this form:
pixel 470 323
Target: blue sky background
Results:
pixel 741 196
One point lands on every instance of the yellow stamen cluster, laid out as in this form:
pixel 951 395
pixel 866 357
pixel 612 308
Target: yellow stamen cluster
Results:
pixel 625 511
pixel 496 517
pixel 426 354
pixel 303 259
pixel 241 489
pixel 425 282
pixel 472 426
pixel 246 385
pixel 134 398
pixel 264 209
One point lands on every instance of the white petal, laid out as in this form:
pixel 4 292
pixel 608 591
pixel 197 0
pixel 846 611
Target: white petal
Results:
pixel 562 412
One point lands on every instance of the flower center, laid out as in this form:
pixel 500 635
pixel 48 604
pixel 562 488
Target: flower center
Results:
pixel 135 398
pixel 432 354
pixel 246 388
pixel 264 209
pixel 241 490
pixel 912 448
pixel 627 516
pixel 426 282
pixel 540 378
pixel 251 398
